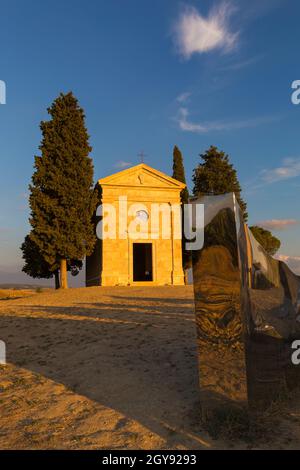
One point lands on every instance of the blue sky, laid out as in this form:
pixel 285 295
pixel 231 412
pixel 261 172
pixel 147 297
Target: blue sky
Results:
pixel 152 74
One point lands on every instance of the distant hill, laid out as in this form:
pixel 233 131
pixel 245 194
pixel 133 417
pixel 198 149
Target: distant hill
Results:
pixel 25 286
pixel 13 277
pixel 16 277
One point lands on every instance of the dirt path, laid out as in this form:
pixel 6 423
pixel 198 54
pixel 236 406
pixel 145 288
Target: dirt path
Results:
pixel 105 368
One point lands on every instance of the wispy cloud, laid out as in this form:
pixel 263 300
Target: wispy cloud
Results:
pixel 290 169
pixel 292 261
pixel 241 64
pixel 194 33
pixel 278 224
pixel 183 97
pixel 187 125
pixel 122 164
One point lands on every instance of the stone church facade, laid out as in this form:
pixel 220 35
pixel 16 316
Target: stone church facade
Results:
pixel 148 258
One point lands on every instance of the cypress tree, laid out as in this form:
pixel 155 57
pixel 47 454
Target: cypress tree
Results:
pixel 216 175
pixel 179 175
pixel 62 199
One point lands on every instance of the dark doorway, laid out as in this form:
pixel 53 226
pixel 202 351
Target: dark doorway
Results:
pixel 142 262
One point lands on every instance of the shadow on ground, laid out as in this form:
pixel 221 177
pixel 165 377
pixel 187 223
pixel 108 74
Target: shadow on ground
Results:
pixel 137 357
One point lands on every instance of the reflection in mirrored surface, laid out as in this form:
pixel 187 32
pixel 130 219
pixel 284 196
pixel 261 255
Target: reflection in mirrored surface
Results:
pixel 247 313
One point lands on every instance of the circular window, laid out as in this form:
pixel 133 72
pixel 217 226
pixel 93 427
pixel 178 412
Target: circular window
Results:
pixel 142 215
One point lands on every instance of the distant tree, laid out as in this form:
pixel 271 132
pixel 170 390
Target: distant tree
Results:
pixel 179 175
pixel 62 199
pixel 216 175
pixel 270 243
pixel 35 265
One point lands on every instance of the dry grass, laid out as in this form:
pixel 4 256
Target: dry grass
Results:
pixel 110 368
pixel 6 294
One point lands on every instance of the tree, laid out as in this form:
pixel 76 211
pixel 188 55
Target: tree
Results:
pixel 269 243
pixel 62 199
pixel 36 266
pixel 216 175
pixel 179 175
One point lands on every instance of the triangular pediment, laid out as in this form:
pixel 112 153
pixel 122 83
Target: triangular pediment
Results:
pixel 141 175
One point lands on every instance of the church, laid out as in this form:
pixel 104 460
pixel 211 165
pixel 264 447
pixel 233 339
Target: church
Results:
pixel 146 258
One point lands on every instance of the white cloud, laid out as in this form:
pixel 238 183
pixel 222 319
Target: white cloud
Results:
pixel 122 164
pixel 292 261
pixel 277 224
pixel 193 33
pixel 183 97
pixel 185 124
pixel 290 169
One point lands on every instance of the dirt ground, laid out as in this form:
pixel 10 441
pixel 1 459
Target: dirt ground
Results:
pixel 109 368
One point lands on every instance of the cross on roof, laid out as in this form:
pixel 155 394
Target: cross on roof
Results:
pixel 142 155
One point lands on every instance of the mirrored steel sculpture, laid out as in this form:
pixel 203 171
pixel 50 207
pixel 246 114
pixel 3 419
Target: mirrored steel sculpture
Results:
pixel 247 314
